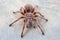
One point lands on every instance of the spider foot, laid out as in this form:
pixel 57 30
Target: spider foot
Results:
pixel 46 20
pixel 13 12
pixel 34 27
pixel 43 33
pixel 27 26
pixel 21 35
pixel 10 25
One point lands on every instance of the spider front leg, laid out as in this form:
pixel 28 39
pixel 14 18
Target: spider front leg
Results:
pixel 16 21
pixel 22 11
pixel 39 26
pixel 23 28
pixel 16 12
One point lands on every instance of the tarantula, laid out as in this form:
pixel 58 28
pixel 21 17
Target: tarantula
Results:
pixel 29 15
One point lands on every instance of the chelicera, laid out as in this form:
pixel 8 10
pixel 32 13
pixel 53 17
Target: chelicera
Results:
pixel 29 15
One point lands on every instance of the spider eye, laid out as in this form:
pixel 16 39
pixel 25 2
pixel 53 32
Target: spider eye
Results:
pixel 28 10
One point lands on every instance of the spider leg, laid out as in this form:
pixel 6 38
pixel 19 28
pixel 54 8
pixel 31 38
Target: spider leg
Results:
pixel 22 11
pixel 16 21
pixel 38 13
pixel 33 24
pixel 23 28
pixel 41 17
pixel 39 26
pixel 16 12
pixel 34 27
pixel 19 12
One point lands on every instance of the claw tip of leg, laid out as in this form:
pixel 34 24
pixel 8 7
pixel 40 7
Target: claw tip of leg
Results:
pixel 21 36
pixel 46 20
pixel 43 34
pixel 34 27
pixel 10 25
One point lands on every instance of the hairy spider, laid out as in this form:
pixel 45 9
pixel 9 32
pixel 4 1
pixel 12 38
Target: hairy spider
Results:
pixel 29 15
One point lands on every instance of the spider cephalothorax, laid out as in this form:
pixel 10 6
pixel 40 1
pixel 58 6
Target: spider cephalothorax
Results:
pixel 29 16
pixel 29 8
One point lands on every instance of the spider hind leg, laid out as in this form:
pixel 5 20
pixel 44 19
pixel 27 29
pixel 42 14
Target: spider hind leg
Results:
pixel 34 27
